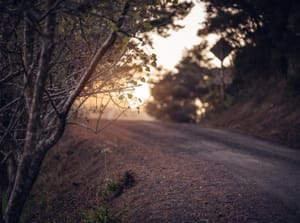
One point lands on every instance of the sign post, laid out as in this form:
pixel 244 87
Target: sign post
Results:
pixel 221 50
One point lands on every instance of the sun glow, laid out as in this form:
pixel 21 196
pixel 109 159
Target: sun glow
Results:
pixel 142 92
pixel 169 50
pixel 140 95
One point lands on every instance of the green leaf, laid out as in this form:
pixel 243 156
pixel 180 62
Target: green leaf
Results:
pixel 157 2
pixel 114 27
pixel 125 39
pixel 88 31
pixel 153 56
pixel 147 25
pixel 62 29
pixel 153 64
pixel 136 17
pixel 140 69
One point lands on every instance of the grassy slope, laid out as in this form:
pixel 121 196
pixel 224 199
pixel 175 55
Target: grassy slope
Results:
pixel 271 113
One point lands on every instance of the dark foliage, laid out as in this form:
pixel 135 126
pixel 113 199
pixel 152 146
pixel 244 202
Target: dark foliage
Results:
pixel 270 33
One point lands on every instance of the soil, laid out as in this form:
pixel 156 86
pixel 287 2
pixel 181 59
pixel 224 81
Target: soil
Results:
pixel 180 176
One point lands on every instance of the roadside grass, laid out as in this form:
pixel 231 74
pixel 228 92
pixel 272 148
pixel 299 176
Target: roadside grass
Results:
pixel 111 189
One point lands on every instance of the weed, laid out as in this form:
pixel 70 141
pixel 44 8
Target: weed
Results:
pixel 106 151
pixel 111 189
pixel 114 188
pixel 98 215
pixel 111 185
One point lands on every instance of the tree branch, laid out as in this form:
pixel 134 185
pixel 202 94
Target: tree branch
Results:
pixel 96 59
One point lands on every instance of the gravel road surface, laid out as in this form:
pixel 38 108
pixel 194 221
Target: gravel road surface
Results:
pixel 187 173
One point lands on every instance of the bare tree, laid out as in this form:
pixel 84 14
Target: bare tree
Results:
pixel 54 52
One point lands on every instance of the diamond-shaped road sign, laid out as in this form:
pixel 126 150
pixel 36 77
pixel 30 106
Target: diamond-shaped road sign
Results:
pixel 221 49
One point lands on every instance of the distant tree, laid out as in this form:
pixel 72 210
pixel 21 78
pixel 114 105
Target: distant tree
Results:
pixel 179 96
pixel 54 54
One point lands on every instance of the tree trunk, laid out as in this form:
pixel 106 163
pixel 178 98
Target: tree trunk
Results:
pixel 26 175
pixel 11 174
pixel 36 147
pixel 33 155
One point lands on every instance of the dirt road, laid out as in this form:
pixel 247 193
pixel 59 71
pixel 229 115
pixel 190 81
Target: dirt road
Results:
pixel 187 173
pixel 184 174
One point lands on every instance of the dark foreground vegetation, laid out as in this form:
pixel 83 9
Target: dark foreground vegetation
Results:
pixel 54 55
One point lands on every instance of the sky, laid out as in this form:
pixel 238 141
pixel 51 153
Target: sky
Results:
pixel 169 50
